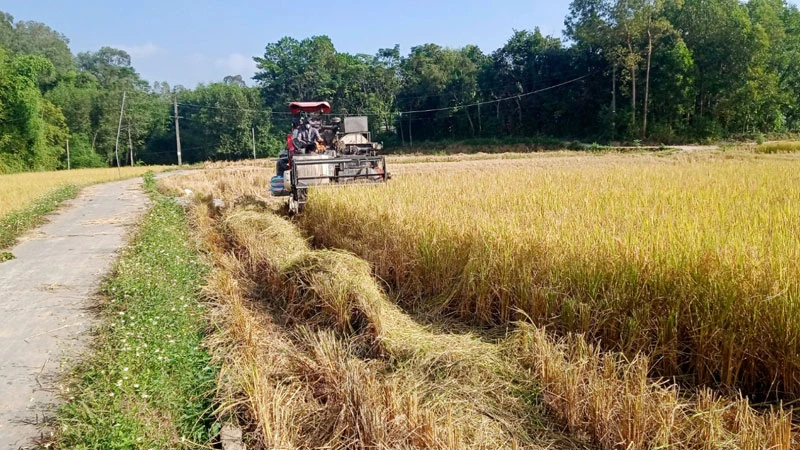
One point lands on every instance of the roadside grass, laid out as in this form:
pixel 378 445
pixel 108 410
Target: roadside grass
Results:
pixel 148 381
pixel 25 198
pixel 21 220
pixel 18 190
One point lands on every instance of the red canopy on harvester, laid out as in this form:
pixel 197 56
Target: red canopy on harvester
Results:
pixel 298 107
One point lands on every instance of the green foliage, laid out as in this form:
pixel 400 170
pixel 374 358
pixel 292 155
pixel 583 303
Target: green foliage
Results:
pixel 34 38
pixel 293 70
pixel 149 382
pixel 682 70
pixel 31 128
pixel 218 120
pixel 81 153
pixel 778 147
pixel 110 66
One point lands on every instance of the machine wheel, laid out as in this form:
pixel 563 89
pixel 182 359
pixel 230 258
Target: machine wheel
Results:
pixel 298 200
pixel 294 206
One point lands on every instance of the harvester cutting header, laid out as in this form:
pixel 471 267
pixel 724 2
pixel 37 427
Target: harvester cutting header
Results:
pixel 322 152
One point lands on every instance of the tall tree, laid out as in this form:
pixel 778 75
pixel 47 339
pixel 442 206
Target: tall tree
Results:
pixel 31 128
pixel 297 70
pixel 34 38
pixel 655 27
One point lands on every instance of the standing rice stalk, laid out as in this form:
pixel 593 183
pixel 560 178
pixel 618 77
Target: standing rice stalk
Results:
pixel 695 262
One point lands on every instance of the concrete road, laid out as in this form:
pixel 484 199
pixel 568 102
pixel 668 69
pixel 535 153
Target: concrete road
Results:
pixel 45 296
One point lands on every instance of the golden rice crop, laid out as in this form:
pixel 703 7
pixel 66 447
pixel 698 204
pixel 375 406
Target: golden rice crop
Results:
pixel 19 189
pixel 614 401
pixel 694 260
pixel 452 390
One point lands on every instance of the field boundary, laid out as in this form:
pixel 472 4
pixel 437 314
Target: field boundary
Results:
pixel 17 222
pixel 31 212
pixel 148 381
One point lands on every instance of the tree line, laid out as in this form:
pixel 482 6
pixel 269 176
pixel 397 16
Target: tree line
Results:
pixel 50 98
pixel 662 71
pixel 658 70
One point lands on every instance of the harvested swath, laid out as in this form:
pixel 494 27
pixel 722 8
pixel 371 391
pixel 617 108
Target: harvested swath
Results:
pixel 306 389
pixel 265 240
pixel 311 391
pixel 613 401
pixel 423 391
pixel 331 289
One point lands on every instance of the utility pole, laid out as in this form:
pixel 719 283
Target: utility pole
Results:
pixel 410 138
pixel 177 131
pixel 402 136
pixel 130 142
pixel 119 128
pixel 68 164
pixel 480 125
pixel 254 142
pixel 613 101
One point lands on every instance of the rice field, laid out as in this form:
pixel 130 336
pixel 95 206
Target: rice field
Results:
pixel 695 263
pixel 561 301
pixel 20 189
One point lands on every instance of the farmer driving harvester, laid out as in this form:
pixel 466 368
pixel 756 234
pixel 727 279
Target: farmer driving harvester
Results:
pixel 305 141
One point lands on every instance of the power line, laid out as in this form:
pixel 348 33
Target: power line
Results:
pixel 500 85
pixel 367 113
pixel 191 105
pixel 489 102
pixel 274 113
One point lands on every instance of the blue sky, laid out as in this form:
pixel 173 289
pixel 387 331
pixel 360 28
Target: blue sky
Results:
pixel 187 42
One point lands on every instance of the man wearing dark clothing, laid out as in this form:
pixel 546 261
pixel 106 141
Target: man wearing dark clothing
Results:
pixel 306 139
pixel 283 163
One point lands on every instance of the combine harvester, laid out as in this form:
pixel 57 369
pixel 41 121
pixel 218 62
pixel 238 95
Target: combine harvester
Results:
pixel 344 154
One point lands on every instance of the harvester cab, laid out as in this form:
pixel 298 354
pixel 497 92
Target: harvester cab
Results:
pixel 342 154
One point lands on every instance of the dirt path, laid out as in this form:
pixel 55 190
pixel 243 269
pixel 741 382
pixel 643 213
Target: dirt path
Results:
pixel 695 148
pixel 45 294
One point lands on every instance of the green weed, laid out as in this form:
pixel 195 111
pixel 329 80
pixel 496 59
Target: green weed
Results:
pixel 22 220
pixel 148 381
pixel 778 147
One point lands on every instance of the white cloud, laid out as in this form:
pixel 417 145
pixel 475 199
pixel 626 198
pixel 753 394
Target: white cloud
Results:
pixel 197 59
pixel 198 67
pixel 237 64
pixel 142 51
